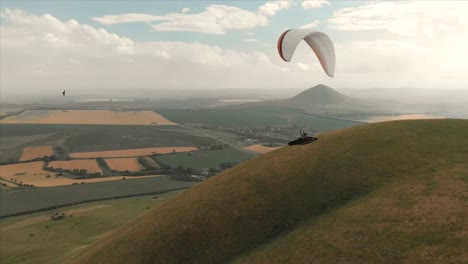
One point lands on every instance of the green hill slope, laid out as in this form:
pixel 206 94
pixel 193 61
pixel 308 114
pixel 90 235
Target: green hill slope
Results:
pixel 387 191
pixel 318 95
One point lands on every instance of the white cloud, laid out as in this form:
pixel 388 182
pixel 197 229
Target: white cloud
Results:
pixel 48 31
pixel 216 19
pixel 185 10
pixel 417 43
pixel 402 18
pixel 250 40
pixel 314 4
pixel 313 24
pixel 270 8
pixel 127 18
pixel 402 63
pixel 42 53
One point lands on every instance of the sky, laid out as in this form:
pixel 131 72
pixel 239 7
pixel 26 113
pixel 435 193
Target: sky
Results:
pixel 118 45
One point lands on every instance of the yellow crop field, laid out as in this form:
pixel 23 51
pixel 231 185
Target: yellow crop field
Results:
pixel 95 117
pixel 260 148
pixel 131 152
pixel 123 164
pixel 89 165
pixel 30 153
pixel 32 173
pixel 27 173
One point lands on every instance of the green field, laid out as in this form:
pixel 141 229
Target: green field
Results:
pixel 256 117
pixel 36 239
pixel 205 158
pixel 98 138
pixel 7 130
pixel 84 138
pixel 231 118
pixel 390 192
pixel 35 199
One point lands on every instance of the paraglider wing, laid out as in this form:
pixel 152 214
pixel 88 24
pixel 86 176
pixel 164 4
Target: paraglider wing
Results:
pixel 319 42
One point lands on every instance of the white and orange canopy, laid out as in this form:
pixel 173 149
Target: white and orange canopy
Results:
pixel 319 42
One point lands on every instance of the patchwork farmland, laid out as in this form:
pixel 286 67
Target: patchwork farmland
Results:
pixel 97 117
pixel 30 153
pixel 131 152
pixel 32 173
pixel 27 173
pixel 89 165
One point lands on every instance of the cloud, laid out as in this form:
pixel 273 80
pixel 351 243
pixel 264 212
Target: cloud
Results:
pixel 48 31
pixel 418 43
pixel 250 40
pixel 402 63
pixel 314 24
pixel 216 19
pixel 270 8
pixel 43 53
pixel 401 18
pixel 127 18
pixel 314 4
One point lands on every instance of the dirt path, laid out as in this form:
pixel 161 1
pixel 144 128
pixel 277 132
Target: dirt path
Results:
pixel 43 218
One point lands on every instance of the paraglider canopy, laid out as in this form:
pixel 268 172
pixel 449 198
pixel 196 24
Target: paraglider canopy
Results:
pixel 319 42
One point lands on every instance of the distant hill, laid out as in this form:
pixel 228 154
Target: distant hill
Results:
pixel 325 101
pixel 318 95
pixel 378 193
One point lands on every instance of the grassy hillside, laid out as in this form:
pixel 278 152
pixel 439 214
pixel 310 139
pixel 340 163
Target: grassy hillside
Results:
pixel 392 191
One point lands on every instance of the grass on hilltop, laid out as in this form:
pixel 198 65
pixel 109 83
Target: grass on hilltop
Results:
pixel 392 191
